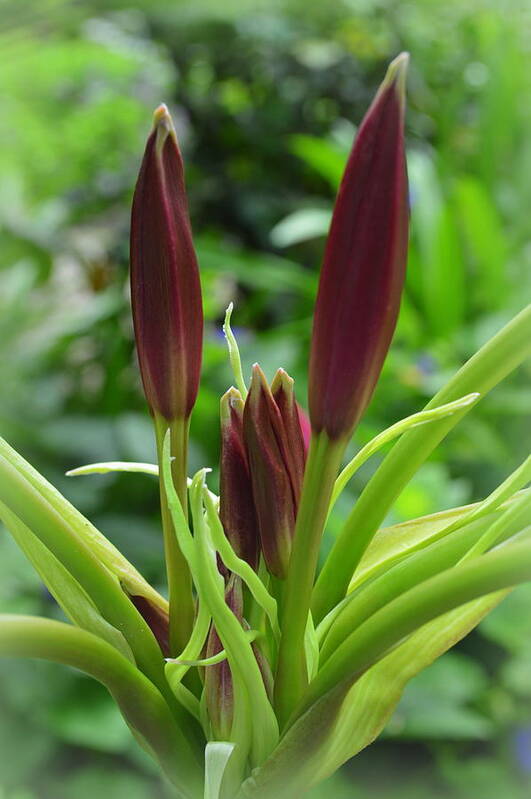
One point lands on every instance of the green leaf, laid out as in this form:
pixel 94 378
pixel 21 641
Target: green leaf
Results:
pixel 141 704
pixel 217 756
pixel 70 596
pixel 114 466
pixel 501 568
pixel 106 553
pixel 494 361
pixel 397 429
pixel 348 719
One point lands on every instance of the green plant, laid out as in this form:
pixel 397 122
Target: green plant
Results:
pixel 255 678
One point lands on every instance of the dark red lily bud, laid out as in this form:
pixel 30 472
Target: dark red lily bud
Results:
pixel 165 287
pixel 364 266
pixel 236 505
pixel 276 471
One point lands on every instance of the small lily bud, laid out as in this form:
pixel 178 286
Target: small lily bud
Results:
pixel 219 691
pixel 236 505
pixel 364 266
pixel 275 470
pixel 165 287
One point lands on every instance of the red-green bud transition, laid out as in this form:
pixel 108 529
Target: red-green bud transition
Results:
pixel 157 620
pixel 219 690
pixel 275 451
pixel 165 286
pixel 364 266
pixel 236 505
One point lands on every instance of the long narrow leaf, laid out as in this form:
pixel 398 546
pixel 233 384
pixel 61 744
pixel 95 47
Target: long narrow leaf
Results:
pixel 105 551
pixel 67 592
pixel 494 361
pixel 501 568
pixel 141 704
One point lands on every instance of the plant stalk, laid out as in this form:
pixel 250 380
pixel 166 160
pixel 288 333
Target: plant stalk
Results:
pixel 322 466
pixel 181 605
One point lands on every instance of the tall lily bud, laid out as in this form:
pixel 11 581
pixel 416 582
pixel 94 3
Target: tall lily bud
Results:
pixel 236 505
pixel 364 266
pixel 165 287
pixel 275 477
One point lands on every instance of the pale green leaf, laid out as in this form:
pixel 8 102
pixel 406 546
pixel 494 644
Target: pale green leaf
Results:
pixel 217 756
pixel 69 595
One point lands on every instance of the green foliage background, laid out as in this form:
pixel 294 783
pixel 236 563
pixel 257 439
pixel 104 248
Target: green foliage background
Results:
pixel 265 97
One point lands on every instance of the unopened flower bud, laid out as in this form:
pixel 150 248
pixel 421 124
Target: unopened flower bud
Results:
pixel 364 266
pixel 236 505
pixel 165 286
pixel 276 459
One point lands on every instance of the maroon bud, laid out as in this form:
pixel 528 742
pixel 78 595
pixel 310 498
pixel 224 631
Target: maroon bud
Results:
pixel 236 505
pixel 275 470
pixel 364 266
pixel 165 287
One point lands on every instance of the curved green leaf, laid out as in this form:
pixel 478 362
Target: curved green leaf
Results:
pixel 494 361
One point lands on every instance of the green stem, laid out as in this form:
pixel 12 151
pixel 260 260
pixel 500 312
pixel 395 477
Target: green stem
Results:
pixel 140 702
pixel 181 605
pixel 501 568
pixel 481 373
pixel 322 466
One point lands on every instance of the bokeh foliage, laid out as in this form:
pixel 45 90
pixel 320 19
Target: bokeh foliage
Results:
pixel 266 97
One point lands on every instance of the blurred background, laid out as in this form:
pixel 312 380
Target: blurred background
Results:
pixel 266 98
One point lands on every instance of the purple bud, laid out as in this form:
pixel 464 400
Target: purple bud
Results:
pixel 364 266
pixel 236 506
pixel 276 460
pixel 165 287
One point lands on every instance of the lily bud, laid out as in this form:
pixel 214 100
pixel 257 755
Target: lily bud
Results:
pixel 276 471
pixel 236 506
pixel 364 266
pixel 165 286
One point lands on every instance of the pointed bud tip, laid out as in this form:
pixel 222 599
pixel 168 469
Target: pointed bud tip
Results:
pixel 231 400
pixel 397 73
pixel 282 380
pixel 163 124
